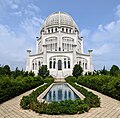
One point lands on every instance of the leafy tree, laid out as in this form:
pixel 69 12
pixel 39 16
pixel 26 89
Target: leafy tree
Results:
pixel 77 70
pixel 43 71
pixel 104 71
pixel 31 74
pixel 7 70
pixel 114 71
pixel 25 74
pixel 17 73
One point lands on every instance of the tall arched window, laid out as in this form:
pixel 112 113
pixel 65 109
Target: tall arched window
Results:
pixel 64 63
pixel 62 29
pixel 48 30
pixel 50 64
pixel 85 65
pixel 66 30
pixel 69 64
pixel 56 29
pixel 33 66
pixel 59 65
pixel 39 64
pixel 52 29
pixel 79 62
pixel 54 63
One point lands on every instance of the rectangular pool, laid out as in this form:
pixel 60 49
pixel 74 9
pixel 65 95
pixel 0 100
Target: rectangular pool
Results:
pixel 60 92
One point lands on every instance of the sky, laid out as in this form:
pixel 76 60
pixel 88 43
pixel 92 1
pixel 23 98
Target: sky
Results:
pixel 98 22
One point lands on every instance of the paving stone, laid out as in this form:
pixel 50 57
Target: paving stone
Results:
pixel 110 108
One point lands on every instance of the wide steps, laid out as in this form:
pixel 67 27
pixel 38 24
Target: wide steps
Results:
pixel 59 80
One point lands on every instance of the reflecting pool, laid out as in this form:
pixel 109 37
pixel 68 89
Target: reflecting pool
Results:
pixel 60 92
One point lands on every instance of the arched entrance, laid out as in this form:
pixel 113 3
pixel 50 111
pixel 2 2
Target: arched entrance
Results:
pixel 59 65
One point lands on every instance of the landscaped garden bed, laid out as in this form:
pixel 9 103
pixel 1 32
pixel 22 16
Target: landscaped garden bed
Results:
pixel 10 87
pixel 106 84
pixel 62 107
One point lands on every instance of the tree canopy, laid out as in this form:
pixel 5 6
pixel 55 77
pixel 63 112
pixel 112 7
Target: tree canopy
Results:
pixel 43 71
pixel 77 70
pixel 114 71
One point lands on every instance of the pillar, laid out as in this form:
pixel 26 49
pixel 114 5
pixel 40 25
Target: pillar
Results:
pixel 74 55
pixel 91 65
pixel 28 60
pixel 44 54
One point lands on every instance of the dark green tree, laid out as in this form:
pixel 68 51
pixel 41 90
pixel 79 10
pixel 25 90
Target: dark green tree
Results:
pixel 32 74
pixel 5 70
pixel 17 73
pixel 43 71
pixel 104 71
pixel 114 71
pixel 25 74
pixel 77 70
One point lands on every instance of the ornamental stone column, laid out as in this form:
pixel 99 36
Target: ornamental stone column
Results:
pixel 28 60
pixel 44 54
pixel 74 54
pixel 91 66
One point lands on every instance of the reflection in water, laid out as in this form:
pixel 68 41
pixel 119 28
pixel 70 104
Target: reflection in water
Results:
pixel 54 96
pixel 65 96
pixel 69 95
pixel 60 92
pixel 49 95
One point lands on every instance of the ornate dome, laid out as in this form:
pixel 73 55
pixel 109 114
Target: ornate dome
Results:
pixel 60 19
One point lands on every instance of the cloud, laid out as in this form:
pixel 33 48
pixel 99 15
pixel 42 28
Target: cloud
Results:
pixel 105 42
pixel 117 13
pixel 14 44
pixel 18 13
pixel 10 46
pixel 32 26
pixel 13 4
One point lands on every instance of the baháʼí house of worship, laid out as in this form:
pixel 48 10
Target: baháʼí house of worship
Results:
pixel 60 47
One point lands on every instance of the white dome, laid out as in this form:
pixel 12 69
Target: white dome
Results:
pixel 60 19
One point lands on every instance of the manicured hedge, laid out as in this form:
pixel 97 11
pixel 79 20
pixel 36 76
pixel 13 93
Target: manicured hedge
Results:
pixel 105 84
pixel 62 107
pixel 10 87
pixel 91 99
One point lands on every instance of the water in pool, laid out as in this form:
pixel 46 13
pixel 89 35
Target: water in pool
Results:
pixel 60 92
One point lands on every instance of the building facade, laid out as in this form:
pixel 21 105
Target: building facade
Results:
pixel 60 47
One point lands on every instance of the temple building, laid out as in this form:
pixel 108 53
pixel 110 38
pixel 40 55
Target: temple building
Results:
pixel 60 47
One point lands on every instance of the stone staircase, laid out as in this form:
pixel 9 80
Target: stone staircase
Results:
pixel 59 80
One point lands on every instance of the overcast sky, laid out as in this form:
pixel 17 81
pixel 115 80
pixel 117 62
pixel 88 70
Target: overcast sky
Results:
pixel 98 22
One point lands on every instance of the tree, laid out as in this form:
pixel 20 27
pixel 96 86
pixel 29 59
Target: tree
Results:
pixel 5 70
pixel 104 71
pixel 43 71
pixel 77 70
pixel 114 71
pixel 32 74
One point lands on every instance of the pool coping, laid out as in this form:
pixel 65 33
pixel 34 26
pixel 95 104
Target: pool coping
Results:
pixel 41 96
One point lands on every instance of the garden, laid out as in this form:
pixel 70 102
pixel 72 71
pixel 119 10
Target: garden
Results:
pixel 62 107
pixel 13 83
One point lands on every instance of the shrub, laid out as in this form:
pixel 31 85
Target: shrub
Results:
pixel 43 71
pixel 77 70
pixel 10 87
pixel 114 71
pixel 62 107
pixel 109 85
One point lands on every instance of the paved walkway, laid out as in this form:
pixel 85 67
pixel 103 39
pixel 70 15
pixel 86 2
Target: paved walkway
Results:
pixel 110 108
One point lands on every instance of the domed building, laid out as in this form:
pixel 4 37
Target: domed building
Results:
pixel 60 47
